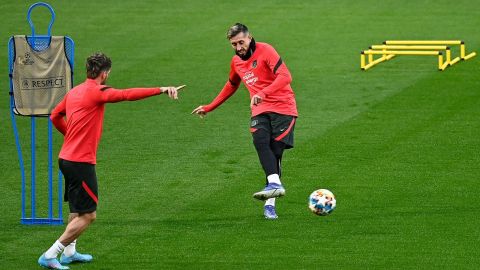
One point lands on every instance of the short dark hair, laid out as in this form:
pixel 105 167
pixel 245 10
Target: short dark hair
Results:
pixel 236 29
pixel 96 64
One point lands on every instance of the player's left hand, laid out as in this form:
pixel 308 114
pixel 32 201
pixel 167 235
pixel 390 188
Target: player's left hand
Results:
pixel 256 99
pixel 171 91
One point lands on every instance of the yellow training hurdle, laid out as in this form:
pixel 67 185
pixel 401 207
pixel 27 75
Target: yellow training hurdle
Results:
pixel 434 42
pixel 391 48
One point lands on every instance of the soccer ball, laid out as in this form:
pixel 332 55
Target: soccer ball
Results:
pixel 322 202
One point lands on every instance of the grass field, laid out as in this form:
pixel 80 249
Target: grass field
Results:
pixel 399 144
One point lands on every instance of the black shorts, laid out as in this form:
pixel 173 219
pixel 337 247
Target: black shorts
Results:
pixel 81 190
pixel 279 126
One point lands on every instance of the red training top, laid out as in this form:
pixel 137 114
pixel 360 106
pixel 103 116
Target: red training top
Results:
pixel 264 74
pixel 84 106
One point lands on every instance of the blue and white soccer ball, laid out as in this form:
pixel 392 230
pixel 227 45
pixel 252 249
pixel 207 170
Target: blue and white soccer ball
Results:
pixel 322 202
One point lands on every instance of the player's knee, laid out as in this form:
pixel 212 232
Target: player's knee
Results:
pixel 91 217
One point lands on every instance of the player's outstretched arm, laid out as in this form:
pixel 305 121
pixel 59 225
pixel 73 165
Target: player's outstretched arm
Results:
pixel 228 90
pixel 111 95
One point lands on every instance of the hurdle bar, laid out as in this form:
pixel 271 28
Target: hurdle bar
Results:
pixel 448 52
pixel 385 54
pixel 463 55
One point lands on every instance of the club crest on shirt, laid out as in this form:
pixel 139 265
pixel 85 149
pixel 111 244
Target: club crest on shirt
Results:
pixel 254 64
pixel 249 78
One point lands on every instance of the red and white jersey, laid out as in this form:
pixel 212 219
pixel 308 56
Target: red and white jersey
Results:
pixel 264 74
pixel 84 107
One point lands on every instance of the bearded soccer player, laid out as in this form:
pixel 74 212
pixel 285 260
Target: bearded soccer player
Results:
pixel 273 106
pixel 84 107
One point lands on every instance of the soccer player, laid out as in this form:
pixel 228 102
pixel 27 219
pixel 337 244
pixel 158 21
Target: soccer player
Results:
pixel 273 106
pixel 84 107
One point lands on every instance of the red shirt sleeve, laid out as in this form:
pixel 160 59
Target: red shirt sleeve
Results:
pixel 57 116
pixel 228 90
pixel 108 94
pixel 279 69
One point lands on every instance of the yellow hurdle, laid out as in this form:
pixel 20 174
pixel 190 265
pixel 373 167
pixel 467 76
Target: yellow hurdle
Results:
pixel 388 54
pixel 391 48
pixel 463 55
pixel 420 47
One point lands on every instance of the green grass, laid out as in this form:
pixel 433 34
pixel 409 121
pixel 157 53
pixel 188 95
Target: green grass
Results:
pixel 397 144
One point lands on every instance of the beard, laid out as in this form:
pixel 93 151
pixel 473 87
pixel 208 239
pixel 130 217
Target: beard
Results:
pixel 241 52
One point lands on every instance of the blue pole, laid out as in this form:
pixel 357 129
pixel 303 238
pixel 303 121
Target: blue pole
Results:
pixel 32 191
pixel 15 129
pixel 20 156
pixel 50 171
pixel 60 195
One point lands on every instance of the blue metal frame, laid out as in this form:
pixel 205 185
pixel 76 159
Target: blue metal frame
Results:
pixel 34 41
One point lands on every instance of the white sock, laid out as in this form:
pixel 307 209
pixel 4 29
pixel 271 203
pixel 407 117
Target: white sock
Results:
pixel 270 201
pixel 54 250
pixel 274 178
pixel 70 249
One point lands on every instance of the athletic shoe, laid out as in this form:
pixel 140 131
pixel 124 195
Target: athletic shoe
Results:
pixel 272 190
pixel 50 263
pixel 77 257
pixel 269 212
